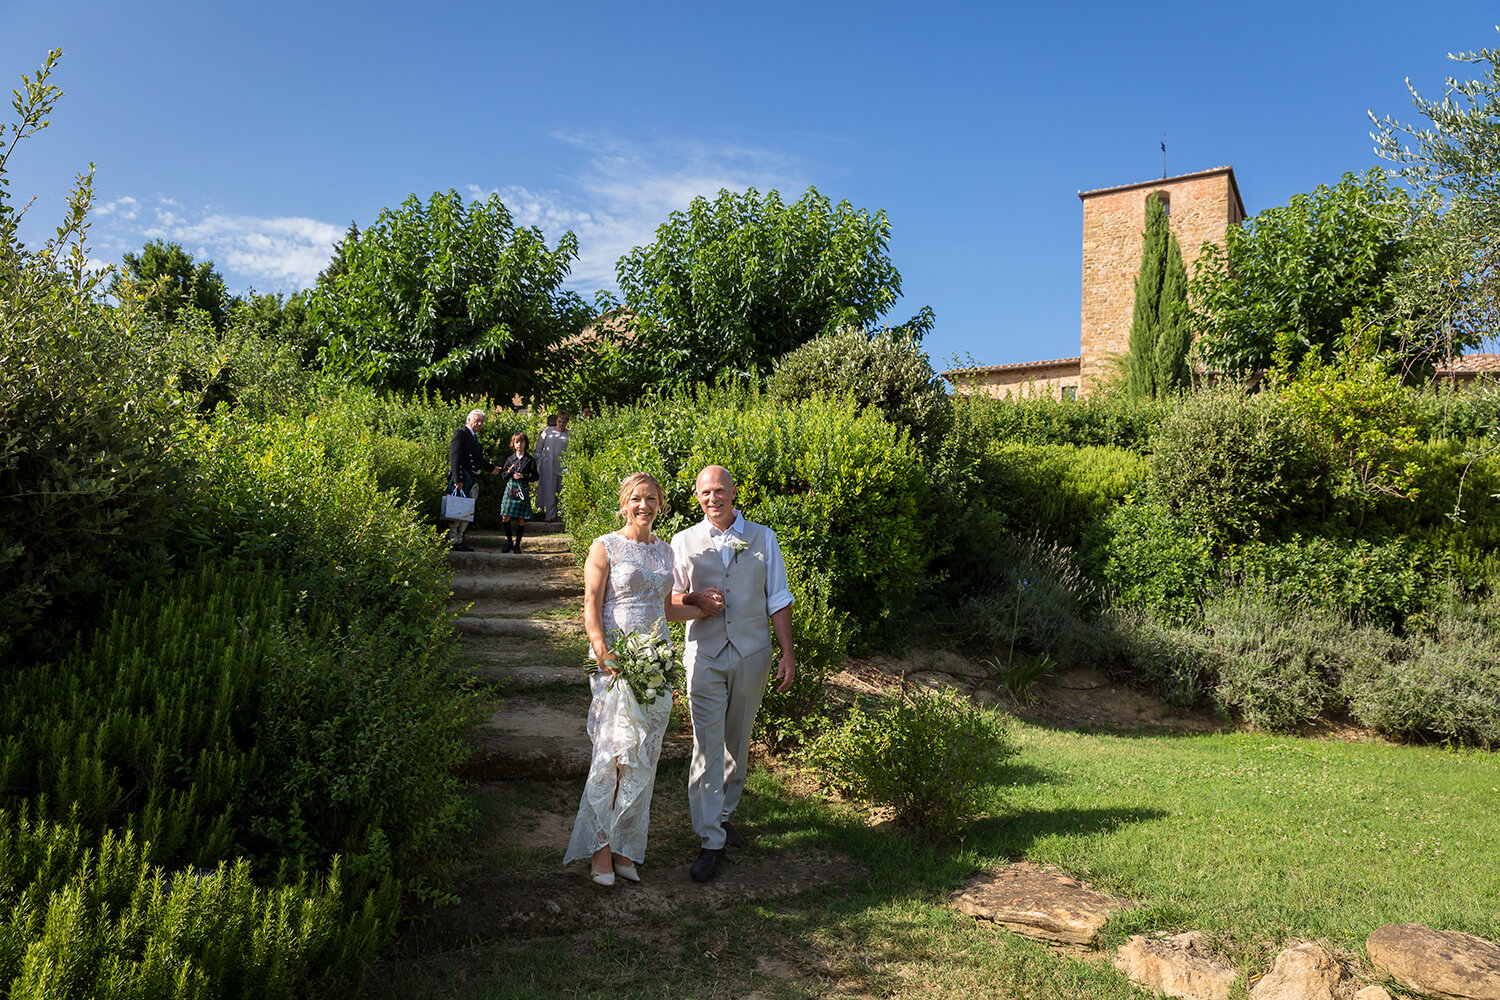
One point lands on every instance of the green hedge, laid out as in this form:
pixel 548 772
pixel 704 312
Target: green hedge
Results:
pixel 83 917
pixel 1060 491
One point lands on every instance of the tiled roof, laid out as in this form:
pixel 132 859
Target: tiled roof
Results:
pixel 1471 364
pixel 1018 366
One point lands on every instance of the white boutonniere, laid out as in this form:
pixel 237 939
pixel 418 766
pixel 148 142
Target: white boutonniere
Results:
pixel 739 545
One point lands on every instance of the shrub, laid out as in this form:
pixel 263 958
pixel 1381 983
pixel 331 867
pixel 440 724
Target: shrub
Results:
pixel 1444 682
pixel 1058 490
pixel 207 721
pixel 887 370
pixel 82 917
pixel 928 756
pixel 1037 601
pixel 1232 465
pixel 1101 420
pixel 1278 660
pixel 1177 661
pixel 300 494
pixel 1364 581
pixel 1151 560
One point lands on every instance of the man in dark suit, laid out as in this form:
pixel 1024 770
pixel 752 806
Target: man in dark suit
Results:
pixel 466 463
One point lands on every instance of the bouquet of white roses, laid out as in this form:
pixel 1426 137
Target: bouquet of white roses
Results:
pixel 644 661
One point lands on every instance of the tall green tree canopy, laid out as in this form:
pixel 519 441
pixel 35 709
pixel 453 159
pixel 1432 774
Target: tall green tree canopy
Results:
pixel 1285 282
pixel 1156 362
pixel 168 281
pixel 1452 281
pixel 736 282
pixel 446 295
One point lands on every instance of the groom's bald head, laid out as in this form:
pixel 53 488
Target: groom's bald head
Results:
pixel 715 491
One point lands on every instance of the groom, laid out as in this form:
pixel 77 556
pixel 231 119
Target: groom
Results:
pixel 726 561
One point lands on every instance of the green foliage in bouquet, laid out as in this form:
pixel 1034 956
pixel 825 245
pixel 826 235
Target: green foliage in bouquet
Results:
pixel 930 756
pixel 645 662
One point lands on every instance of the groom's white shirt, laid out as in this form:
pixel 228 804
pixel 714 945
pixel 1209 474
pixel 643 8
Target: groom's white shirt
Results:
pixel 778 594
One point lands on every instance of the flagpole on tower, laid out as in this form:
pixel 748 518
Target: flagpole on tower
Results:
pixel 1164 156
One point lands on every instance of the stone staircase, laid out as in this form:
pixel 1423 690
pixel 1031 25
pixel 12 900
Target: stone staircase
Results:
pixel 521 619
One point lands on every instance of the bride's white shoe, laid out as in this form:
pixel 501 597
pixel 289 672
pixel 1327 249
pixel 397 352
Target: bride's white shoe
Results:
pixel 602 878
pixel 627 872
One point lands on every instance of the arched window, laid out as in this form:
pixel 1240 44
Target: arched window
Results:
pixel 1165 197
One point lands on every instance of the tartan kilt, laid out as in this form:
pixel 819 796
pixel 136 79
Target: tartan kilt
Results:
pixel 516 507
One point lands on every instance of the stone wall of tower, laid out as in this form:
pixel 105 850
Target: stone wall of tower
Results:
pixel 1203 206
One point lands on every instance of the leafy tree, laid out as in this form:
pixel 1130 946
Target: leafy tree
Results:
pixel 167 280
pixel 736 282
pixel 1452 281
pixel 338 264
pixel 449 296
pixel 887 370
pixel 1156 363
pixel 1362 421
pixel 1295 273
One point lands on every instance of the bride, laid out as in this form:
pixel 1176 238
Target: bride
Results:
pixel 627 582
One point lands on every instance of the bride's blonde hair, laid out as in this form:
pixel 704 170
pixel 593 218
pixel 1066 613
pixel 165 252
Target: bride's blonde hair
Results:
pixel 628 486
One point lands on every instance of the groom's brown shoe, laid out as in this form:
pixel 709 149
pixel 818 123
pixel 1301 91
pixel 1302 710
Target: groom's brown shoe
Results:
pixel 732 836
pixel 707 865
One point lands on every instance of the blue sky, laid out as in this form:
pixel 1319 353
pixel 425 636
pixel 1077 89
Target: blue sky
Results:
pixel 254 133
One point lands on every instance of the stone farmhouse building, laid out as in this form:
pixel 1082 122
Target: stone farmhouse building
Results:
pixel 1200 207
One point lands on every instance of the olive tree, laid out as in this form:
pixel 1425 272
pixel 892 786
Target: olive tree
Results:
pixel 1452 165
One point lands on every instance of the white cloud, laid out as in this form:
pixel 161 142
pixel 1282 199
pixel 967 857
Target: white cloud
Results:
pixel 127 207
pixel 271 254
pixel 626 189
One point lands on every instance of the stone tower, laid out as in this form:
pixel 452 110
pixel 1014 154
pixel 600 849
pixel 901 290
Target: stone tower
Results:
pixel 1200 208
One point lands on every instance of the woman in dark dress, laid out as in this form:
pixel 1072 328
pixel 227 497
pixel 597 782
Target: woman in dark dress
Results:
pixel 519 472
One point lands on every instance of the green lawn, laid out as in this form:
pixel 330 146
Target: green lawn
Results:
pixel 1254 839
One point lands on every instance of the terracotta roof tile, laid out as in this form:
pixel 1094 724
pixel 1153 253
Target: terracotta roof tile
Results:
pixel 1018 366
pixel 1471 364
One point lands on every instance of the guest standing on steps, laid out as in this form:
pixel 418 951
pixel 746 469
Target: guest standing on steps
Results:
pixel 519 473
pixel 549 453
pixel 466 463
pixel 731 564
pixel 627 582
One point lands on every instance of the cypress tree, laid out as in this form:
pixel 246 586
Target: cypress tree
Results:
pixel 1156 361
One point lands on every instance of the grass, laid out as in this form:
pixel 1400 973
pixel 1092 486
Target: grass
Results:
pixel 1253 839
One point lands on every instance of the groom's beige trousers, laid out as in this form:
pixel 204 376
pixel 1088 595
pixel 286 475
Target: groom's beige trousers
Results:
pixel 724 693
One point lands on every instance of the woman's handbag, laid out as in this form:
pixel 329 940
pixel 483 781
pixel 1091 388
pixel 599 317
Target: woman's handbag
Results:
pixel 457 507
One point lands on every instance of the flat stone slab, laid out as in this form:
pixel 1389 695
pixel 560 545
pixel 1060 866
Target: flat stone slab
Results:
pixel 1304 972
pixel 1448 965
pixel 1179 966
pixel 1037 904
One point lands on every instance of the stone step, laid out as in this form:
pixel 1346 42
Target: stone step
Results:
pixel 532 528
pixel 494 561
pixel 479 625
pixel 548 608
pixel 521 585
pixel 537 738
pixel 486 651
pixel 493 540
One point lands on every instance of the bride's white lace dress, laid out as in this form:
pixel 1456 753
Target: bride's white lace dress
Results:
pixel 616 804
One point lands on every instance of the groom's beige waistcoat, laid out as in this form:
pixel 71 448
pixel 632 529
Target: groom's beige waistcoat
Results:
pixel 744 623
